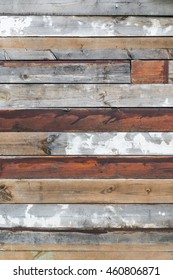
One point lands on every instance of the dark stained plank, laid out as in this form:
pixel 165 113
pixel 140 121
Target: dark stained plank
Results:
pixel 78 44
pixel 114 167
pixel 85 120
pixel 87 7
pixel 149 72
pixel 135 241
pixel 86 191
pixel 96 218
pixel 114 71
pixel 85 26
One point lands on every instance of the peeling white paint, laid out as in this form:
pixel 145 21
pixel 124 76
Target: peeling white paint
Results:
pixel 154 29
pixel 2 220
pixel 10 25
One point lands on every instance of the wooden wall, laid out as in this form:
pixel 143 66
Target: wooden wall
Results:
pixel 86 129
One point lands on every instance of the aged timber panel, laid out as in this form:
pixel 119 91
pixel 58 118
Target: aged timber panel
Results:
pixel 86 26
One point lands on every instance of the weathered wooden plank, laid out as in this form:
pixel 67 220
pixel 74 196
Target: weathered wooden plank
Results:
pixel 113 167
pixel 27 144
pixel 86 242
pixel 85 54
pixel 85 120
pixel 93 95
pixel 24 54
pixel 86 191
pixel 149 72
pixel 87 7
pixel 85 26
pixel 171 72
pixel 88 217
pixel 78 255
pixel 65 72
pixel 78 44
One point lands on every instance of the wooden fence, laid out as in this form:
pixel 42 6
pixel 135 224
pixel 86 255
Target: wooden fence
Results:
pixel 86 129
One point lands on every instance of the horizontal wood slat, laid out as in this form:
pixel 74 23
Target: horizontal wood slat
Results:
pixel 150 72
pixel 85 54
pixel 94 95
pixel 85 120
pixel 77 44
pixel 134 241
pixel 62 72
pixel 85 26
pixel 87 7
pixel 79 255
pixel 113 167
pixel 52 143
pixel 88 217
pixel 86 191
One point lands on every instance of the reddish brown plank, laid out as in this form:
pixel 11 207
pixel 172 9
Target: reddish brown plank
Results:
pixel 70 120
pixel 149 72
pixel 87 167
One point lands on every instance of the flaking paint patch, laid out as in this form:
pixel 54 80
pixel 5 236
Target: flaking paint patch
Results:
pixel 14 25
pixel 2 220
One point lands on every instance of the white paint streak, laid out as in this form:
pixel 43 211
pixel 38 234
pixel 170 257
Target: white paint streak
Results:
pixel 2 220
pixel 154 29
pixel 14 25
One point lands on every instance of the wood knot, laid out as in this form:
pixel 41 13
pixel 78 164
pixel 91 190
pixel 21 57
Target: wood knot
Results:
pixel 148 190
pixel 108 190
pixel 5 195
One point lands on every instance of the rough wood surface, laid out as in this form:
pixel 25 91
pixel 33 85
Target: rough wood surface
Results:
pixel 116 71
pixel 93 95
pixel 86 191
pixel 85 120
pixel 78 44
pixel 88 217
pixel 87 7
pixel 81 167
pixel 85 54
pixel 171 72
pixel 37 144
pixel 85 26
pixel 149 72
pixel 79 255
pixel 135 241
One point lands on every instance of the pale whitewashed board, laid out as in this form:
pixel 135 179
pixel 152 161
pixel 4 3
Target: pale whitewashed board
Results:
pixel 85 95
pixel 87 7
pixel 85 26
pixel 26 143
pixel 83 217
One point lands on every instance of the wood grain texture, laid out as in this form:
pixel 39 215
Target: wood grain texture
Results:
pixel 113 167
pixel 65 72
pixel 134 241
pixel 79 255
pixel 37 144
pixel 171 72
pixel 85 26
pixel 93 95
pixel 86 191
pixel 85 120
pixel 89 217
pixel 149 72
pixel 87 7
pixel 95 44
pixel 85 54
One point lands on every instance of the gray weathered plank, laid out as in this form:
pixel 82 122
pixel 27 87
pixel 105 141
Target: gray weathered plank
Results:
pixel 85 26
pixel 23 54
pixel 68 241
pixel 116 71
pixel 171 72
pixel 83 217
pixel 104 143
pixel 93 95
pixel 85 54
pixel 87 7
pixel 86 191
